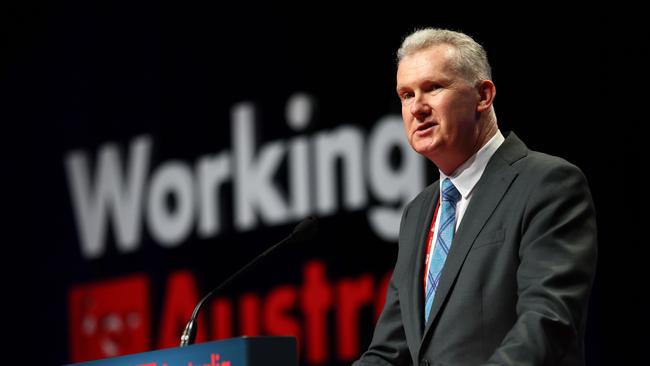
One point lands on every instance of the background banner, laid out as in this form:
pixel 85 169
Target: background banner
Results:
pixel 155 149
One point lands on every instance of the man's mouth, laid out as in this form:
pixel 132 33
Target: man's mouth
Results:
pixel 425 127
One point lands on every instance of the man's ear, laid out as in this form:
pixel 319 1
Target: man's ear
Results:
pixel 487 91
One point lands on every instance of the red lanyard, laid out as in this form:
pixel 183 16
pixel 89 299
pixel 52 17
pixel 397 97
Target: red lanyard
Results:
pixel 430 244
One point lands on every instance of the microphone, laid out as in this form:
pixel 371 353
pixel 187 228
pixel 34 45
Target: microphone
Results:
pixel 304 231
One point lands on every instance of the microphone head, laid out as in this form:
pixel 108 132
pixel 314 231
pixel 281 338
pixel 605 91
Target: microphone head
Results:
pixel 305 230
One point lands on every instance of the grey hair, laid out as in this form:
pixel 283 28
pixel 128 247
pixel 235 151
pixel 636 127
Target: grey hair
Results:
pixel 471 59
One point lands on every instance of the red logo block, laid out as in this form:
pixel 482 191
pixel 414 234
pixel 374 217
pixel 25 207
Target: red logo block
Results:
pixel 109 318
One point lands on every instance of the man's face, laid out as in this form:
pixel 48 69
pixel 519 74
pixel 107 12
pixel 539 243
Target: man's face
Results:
pixel 439 106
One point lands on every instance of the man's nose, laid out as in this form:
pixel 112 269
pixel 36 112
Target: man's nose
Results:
pixel 420 109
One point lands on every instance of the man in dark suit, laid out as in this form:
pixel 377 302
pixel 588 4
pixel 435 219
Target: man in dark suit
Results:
pixel 497 269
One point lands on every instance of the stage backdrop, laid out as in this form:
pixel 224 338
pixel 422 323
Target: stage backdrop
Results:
pixel 166 146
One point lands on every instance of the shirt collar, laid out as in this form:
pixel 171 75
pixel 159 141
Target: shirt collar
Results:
pixel 468 174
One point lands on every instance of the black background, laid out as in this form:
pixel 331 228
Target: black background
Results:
pixel 77 75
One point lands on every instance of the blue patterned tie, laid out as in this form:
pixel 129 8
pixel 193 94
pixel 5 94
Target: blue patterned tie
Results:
pixel 446 228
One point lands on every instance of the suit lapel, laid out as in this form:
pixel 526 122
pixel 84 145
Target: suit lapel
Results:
pixel 416 289
pixel 489 191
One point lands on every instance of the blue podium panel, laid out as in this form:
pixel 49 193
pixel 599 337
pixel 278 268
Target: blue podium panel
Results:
pixel 244 351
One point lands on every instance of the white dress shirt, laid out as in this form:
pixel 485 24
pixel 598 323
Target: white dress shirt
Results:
pixel 465 178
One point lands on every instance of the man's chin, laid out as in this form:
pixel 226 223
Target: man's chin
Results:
pixel 426 149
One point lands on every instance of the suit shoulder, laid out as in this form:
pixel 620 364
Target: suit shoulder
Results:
pixel 540 164
pixel 515 153
pixel 547 174
pixel 423 195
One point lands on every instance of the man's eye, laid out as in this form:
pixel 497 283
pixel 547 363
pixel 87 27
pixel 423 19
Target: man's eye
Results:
pixel 406 96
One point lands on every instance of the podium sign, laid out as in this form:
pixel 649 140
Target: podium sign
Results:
pixel 244 351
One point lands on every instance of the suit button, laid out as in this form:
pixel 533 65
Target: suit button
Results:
pixel 424 362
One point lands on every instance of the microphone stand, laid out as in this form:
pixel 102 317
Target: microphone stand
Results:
pixel 303 231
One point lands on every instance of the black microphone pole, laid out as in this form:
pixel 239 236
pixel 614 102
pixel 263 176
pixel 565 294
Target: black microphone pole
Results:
pixel 303 231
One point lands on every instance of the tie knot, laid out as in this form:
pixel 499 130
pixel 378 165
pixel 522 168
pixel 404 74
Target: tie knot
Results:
pixel 449 191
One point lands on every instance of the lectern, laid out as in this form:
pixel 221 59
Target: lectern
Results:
pixel 243 351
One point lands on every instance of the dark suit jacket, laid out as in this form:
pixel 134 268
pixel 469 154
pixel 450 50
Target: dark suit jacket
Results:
pixel 515 285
